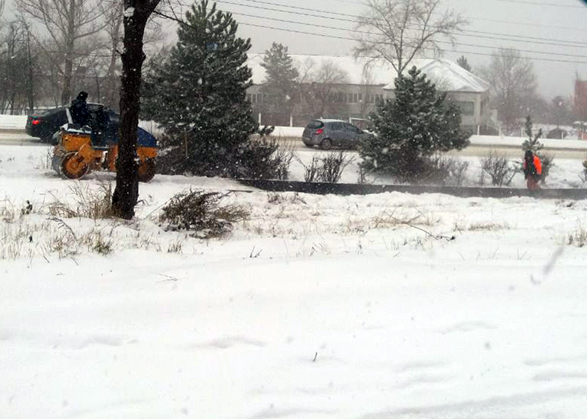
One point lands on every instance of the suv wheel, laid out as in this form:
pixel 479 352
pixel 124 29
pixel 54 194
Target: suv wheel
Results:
pixel 326 144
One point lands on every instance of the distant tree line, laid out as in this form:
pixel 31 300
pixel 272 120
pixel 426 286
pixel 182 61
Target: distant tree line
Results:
pixel 54 48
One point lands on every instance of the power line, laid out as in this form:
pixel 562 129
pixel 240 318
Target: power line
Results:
pixel 535 25
pixel 351 39
pixel 530 3
pixel 368 33
pixel 507 22
pixel 486 35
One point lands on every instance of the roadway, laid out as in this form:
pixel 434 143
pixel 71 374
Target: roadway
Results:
pixel 20 138
pixel 471 151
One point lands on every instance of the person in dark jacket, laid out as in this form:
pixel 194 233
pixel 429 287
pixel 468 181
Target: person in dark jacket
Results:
pixel 101 128
pixel 532 170
pixel 79 109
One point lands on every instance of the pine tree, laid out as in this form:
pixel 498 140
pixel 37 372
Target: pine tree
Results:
pixel 280 80
pixel 462 61
pixel 411 128
pixel 533 144
pixel 198 95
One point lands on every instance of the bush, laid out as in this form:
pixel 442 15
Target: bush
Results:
pixel 412 128
pixel 327 168
pixel 498 167
pixel 200 212
pixel 88 203
pixel 311 172
pixel 333 166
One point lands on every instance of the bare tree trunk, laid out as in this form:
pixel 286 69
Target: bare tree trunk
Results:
pixel 136 15
pixel 69 51
pixel 31 78
pixel 111 83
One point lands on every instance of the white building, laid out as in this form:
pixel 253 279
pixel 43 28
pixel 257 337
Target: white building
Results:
pixel 356 95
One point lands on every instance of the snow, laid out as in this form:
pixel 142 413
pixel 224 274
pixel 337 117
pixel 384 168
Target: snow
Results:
pixel 16 122
pixel 315 307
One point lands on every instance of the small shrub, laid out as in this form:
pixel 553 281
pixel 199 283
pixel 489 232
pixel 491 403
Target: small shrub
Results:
pixel 333 166
pixel 312 171
pixel 101 245
pixel 499 169
pixel 283 158
pixel 444 170
pixel 175 247
pixel 201 212
pixel 88 203
pixel 362 176
pixel 458 173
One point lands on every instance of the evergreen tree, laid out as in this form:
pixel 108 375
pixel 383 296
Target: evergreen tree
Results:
pixel 198 95
pixel 462 61
pixel 411 128
pixel 533 144
pixel 280 80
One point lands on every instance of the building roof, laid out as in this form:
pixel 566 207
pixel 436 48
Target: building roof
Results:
pixel 448 76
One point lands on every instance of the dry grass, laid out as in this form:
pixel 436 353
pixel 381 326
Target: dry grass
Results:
pixel 577 238
pixel 488 226
pixel 88 203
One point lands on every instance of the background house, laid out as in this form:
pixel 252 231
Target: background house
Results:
pixel 345 88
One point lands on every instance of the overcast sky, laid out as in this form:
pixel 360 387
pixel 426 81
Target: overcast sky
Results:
pixel 551 20
pixel 560 20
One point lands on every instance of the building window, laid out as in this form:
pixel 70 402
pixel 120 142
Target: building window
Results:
pixel 467 108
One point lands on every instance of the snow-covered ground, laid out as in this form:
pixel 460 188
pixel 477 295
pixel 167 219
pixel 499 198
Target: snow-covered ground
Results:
pixel 382 306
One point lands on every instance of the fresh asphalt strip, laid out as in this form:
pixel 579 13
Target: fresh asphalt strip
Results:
pixel 463 192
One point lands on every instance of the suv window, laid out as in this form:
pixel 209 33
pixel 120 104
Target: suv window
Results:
pixel 336 126
pixel 352 128
pixel 315 124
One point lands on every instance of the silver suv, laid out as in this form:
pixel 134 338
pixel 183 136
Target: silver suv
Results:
pixel 328 133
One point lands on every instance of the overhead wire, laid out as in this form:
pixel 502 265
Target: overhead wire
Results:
pixel 368 33
pixel 467 33
pixel 352 39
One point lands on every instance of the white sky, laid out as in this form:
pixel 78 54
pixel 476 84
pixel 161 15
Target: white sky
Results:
pixel 562 20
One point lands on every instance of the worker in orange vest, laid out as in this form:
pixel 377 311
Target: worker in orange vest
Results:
pixel 532 170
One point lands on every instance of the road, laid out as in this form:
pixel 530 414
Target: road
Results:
pixel 475 151
pixel 14 137
pixel 20 138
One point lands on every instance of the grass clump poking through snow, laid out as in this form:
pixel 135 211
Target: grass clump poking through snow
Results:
pixel 201 212
pixel 578 237
pixel 88 203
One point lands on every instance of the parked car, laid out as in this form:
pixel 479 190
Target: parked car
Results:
pixel 46 123
pixel 328 133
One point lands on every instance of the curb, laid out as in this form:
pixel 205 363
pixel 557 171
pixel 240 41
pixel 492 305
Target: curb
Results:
pixel 463 192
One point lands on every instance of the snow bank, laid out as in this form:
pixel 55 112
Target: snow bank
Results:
pixel 16 122
pixel 487 140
